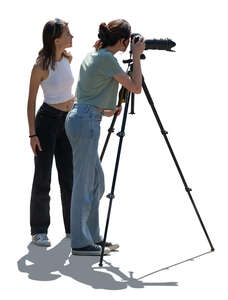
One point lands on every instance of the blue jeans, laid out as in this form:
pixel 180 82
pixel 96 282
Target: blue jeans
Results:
pixel 82 127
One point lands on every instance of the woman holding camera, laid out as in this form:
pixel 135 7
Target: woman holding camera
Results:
pixel 97 88
pixel 47 133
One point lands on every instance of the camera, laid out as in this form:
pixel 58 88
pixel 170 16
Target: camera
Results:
pixel 154 44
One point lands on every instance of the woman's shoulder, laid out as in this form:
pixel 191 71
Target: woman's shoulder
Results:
pixel 38 67
pixel 38 71
pixel 39 64
pixel 104 55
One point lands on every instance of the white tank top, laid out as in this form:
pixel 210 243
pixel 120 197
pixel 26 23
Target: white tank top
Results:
pixel 58 85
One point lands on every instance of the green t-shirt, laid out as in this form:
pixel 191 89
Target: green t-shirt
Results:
pixel 96 85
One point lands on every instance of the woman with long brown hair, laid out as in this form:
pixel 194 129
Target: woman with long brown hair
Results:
pixel 96 94
pixel 46 130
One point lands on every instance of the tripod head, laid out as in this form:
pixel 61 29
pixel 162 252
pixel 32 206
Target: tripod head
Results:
pixel 130 60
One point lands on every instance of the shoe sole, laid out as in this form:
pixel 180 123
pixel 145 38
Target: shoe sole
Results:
pixel 41 245
pixel 89 253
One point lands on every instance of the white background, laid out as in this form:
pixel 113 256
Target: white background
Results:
pixel 152 217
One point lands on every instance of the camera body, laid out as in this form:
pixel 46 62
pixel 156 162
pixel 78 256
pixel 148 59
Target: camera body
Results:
pixel 154 44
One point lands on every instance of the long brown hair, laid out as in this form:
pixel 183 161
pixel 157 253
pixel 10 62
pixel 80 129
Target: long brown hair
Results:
pixel 110 34
pixel 46 56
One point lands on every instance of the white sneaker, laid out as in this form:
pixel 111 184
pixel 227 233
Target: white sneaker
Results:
pixel 41 239
pixel 111 246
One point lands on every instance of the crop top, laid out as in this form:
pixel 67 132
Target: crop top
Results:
pixel 57 86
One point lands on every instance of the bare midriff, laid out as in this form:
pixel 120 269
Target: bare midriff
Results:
pixel 64 106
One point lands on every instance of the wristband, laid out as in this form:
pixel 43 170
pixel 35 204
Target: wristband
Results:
pixel 32 135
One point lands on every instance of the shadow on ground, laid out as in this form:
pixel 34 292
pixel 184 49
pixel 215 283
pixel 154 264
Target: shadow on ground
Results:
pixel 46 264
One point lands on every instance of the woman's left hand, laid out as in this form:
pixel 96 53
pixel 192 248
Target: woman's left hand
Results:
pixel 110 113
pixel 118 110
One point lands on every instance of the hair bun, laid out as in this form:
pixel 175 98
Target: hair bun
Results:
pixel 103 32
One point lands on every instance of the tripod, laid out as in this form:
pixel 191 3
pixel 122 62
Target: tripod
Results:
pixel 128 96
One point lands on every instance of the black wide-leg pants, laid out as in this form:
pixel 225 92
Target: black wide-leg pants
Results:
pixel 50 130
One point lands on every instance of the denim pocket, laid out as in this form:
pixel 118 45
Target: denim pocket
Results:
pixel 79 127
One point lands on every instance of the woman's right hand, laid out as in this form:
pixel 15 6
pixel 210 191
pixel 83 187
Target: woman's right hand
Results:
pixel 34 141
pixel 138 47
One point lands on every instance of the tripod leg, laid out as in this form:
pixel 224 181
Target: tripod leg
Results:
pixel 110 131
pixel 164 133
pixel 111 196
pixel 132 112
pixel 123 94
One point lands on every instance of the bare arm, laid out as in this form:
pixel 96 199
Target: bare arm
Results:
pixel 35 80
pixel 134 83
pixel 37 76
